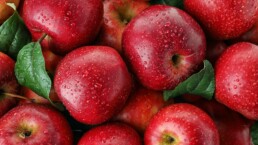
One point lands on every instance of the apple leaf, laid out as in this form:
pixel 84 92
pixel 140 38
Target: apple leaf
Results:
pixel 30 70
pixel 201 83
pixel 254 133
pixel 175 3
pixel 13 35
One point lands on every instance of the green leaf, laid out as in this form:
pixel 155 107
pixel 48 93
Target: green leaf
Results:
pixel 30 70
pixel 254 133
pixel 175 3
pixel 201 83
pixel 13 35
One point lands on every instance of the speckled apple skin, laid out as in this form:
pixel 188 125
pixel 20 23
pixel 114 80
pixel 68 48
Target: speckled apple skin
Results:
pixel 186 123
pixel 224 19
pixel 236 76
pixel 151 40
pixel 93 83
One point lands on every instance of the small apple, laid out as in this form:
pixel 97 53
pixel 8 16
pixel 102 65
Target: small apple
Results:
pixel 111 134
pixel 34 124
pixel 51 60
pixel 224 19
pixel 117 14
pixel 140 108
pixel 93 83
pixel 8 83
pixel 68 23
pixel 5 10
pixel 164 46
pixel 181 124
pixel 236 77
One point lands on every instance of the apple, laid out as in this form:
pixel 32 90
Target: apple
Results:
pixel 33 97
pixel 51 60
pixel 140 108
pixel 181 124
pixel 5 10
pixel 34 124
pixel 163 45
pixel 93 83
pixel 251 35
pixel 214 49
pixel 236 77
pixel 117 14
pixel 233 128
pixel 113 133
pixel 8 84
pixel 224 19
pixel 68 23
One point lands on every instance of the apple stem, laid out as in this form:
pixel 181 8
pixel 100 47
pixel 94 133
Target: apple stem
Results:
pixel 42 37
pixel 16 96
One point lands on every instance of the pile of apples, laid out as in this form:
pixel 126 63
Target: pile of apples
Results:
pixel 128 72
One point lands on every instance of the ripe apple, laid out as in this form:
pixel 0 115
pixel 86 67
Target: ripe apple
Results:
pixel 224 19
pixel 214 50
pixel 111 134
pixel 181 124
pixel 34 124
pixel 8 83
pixel 35 98
pixel 51 60
pixel 164 45
pixel 233 128
pixel 236 77
pixel 140 108
pixel 93 83
pixel 5 10
pixel 67 23
pixel 117 14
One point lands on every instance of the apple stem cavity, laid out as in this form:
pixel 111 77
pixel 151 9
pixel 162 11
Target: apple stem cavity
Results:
pixel 175 59
pixel 25 134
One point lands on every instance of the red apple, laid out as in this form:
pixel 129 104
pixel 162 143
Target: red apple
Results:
pixel 233 128
pixel 8 83
pixel 111 134
pixel 67 23
pixel 117 13
pixel 140 108
pixel 5 10
pixel 214 50
pixel 93 83
pixel 35 98
pixel 163 45
pixel 34 124
pixel 236 77
pixel 250 36
pixel 224 19
pixel 51 60
pixel 181 124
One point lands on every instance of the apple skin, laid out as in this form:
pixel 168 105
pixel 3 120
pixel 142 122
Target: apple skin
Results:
pixel 51 61
pixel 140 108
pixel 233 128
pixel 93 83
pixel 5 10
pixel 236 77
pixel 224 19
pixel 181 124
pixel 164 45
pixel 8 83
pixel 113 133
pixel 34 124
pixel 68 24
pixel 117 13
pixel 214 50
